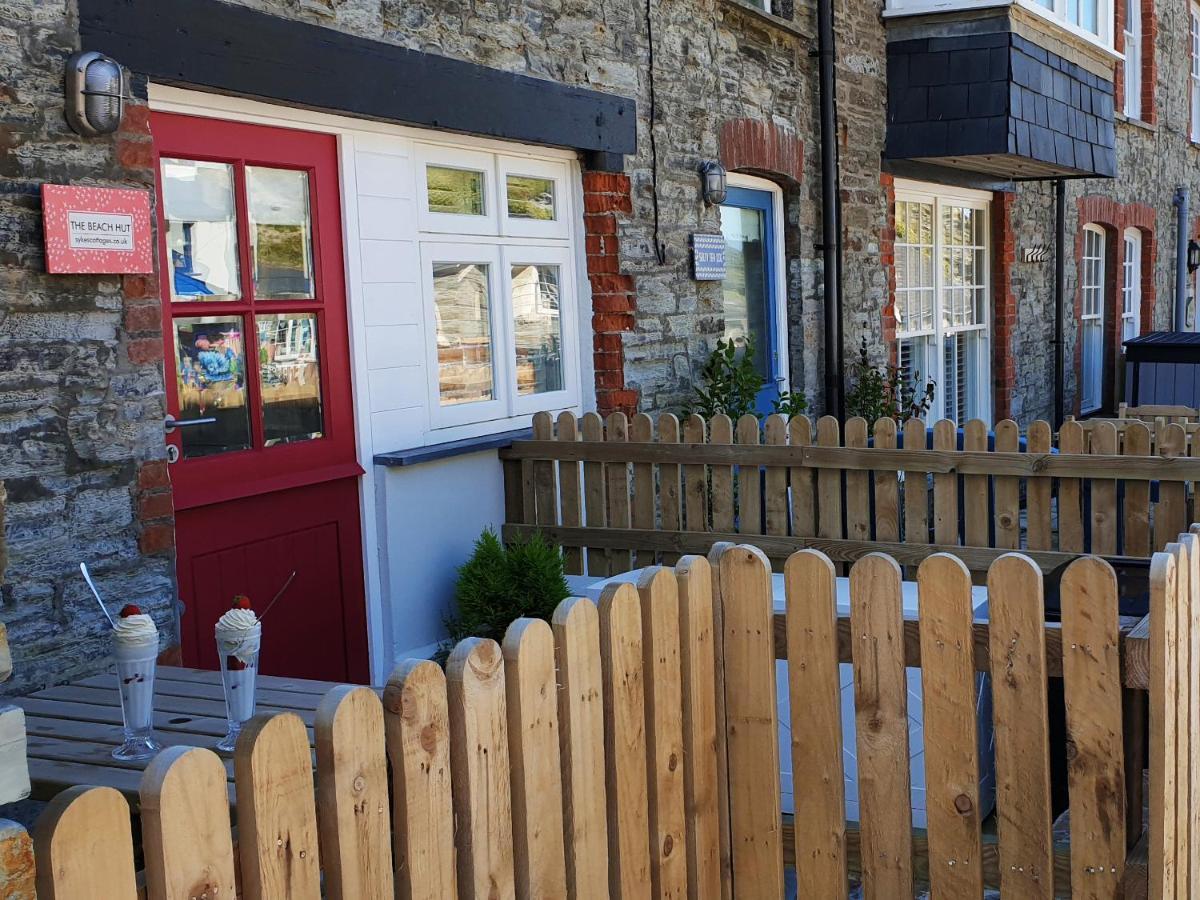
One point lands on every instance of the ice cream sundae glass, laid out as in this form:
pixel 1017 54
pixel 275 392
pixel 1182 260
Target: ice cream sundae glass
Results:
pixel 135 646
pixel 239 636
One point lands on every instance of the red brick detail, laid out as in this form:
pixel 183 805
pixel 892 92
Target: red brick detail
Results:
pixel 157 539
pixel 756 146
pixel 144 317
pixel 139 287
pixel 1004 299
pixel 136 120
pixel 143 351
pixel 155 505
pixel 887 258
pixel 135 154
pixel 153 475
pixel 614 295
pixel 1143 218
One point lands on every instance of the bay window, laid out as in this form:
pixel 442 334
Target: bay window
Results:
pixel 1090 19
pixel 941 300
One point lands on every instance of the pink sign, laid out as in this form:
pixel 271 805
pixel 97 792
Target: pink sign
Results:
pixel 93 229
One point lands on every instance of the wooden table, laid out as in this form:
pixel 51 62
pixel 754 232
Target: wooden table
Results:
pixel 73 728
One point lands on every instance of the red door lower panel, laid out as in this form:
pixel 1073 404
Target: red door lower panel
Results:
pixel 251 546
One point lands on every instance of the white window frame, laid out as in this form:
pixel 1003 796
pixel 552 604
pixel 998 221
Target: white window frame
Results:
pixel 561 257
pixel 1054 11
pixel 1131 284
pixel 938 196
pixel 1133 59
pixel 455 158
pixel 1194 74
pixel 557 228
pixel 1092 376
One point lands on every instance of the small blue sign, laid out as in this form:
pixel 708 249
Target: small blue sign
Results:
pixel 708 257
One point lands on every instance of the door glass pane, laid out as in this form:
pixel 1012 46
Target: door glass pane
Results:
pixel 201 217
pixel 746 282
pixel 464 332
pixel 210 359
pixel 455 191
pixel 530 198
pixel 290 378
pixel 280 233
pixel 537 328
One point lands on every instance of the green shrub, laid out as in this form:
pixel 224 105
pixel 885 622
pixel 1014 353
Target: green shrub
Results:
pixel 500 583
pixel 730 384
pixel 882 392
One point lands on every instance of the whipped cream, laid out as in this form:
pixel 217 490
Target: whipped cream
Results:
pixel 135 631
pixel 239 634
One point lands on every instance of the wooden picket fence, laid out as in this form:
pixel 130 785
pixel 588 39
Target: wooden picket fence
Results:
pixel 617 494
pixel 629 749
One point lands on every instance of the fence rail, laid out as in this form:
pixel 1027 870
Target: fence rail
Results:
pixel 630 749
pixel 617 490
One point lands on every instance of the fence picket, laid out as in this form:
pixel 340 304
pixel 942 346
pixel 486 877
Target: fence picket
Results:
pixel 568 482
pixel 664 732
pixel 417 724
pixel 721 432
pixel 1183 734
pixel 616 482
pixel 625 742
pixel 752 739
pixel 829 483
pixel 188 849
pixel 1017 642
pixel 670 496
pixel 1170 513
pixel 594 496
pixel 1070 496
pixel 1007 490
pixel 479 761
pixel 1163 726
pixel 698 662
pixel 1191 543
pixel 695 478
pixel 749 481
pixel 1137 495
pixel 976 504
pixel 352 795
pixel 545 486
pixel 951 731
pixel 1103 525
pixel 1095 765
pixel 83 846
pixel 945 488
pixel 576 626
pixel 539 854
pixel 881 713
pixel 887 486
pixel 776 499
pixel 642 492
pixel 916 488
pixel 858 490
pixel 802 478
pixel 818 778
pixel 277 822
pixel 1038 491
pixel 723 812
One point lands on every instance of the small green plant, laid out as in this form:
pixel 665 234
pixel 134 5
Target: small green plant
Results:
pixel 887 392
pixel 791 403
pixel 501 583
pixel 728 382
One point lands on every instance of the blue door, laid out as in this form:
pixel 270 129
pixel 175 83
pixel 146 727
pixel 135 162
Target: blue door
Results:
pixel 748 224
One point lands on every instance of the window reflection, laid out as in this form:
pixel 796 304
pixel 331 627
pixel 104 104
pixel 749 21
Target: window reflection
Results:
pixel 537 328
pixel 201 217
pixel 280 233
pixel 455 191
pixel 210 360
pixel 530 198
pixel 464 332
pixel 290 378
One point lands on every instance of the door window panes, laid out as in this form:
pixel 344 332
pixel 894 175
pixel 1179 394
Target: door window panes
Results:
pixel 745 284
pixel 210 359
pixel 1131 285
pixel 280 233
pixel 1091 324
pixel 530 198
pixel 537 328
pixel 455 191
pixel 201 220
pixel 462 309
pixel 289 378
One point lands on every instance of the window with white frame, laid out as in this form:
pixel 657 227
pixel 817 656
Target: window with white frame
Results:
pixel 1131 285
pixel 1090 19
pixel 1091 320
pixel 1133 58
pixel 1194 80
pixel 498 284
pixel 941 302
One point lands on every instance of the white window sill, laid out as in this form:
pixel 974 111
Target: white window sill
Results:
pixel 1135 122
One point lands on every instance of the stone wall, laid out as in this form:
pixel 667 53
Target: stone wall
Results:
pixel 81 392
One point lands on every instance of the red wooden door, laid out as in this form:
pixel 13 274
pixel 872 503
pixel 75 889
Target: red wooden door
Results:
pixel 258 377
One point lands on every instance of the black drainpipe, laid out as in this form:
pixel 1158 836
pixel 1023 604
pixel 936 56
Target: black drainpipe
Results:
pixel 1060 292
pixel 831 215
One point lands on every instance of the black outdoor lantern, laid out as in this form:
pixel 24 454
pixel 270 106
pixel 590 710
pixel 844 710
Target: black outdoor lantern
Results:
pixel 95 94
pixel 714 176
pixel 1193 256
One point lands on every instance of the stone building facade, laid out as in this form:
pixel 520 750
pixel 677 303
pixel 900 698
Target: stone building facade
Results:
pixel 82 397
